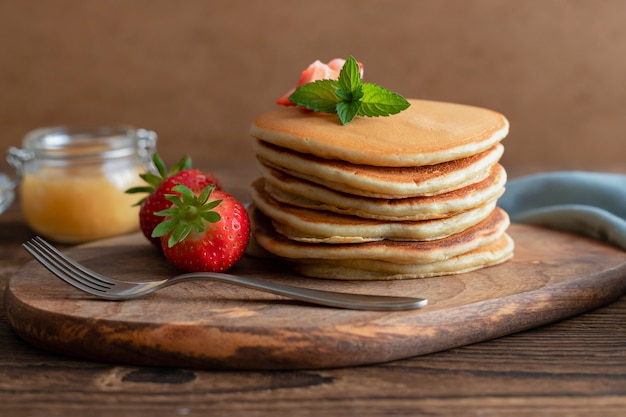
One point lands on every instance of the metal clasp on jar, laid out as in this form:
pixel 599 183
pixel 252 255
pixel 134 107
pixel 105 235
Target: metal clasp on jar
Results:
pixel 17 158
pixel 146 145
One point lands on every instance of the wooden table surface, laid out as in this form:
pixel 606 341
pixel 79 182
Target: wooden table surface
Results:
pixel 571 368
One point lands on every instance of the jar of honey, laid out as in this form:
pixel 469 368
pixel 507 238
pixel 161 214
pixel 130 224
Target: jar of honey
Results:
pixel 72 180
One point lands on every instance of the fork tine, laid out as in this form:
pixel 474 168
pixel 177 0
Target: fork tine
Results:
pixel 64 268
pixel 63 263
pixel 56 268
pixel 74 266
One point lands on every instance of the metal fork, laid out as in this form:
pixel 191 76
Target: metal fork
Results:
pixel 93 283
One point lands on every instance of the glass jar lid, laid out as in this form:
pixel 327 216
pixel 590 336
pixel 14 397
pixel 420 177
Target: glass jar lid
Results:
pixel 71 142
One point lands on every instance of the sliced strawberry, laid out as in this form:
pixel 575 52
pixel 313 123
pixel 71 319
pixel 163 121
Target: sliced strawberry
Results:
pixel 203 231
pixel 317 71
pixel 161 184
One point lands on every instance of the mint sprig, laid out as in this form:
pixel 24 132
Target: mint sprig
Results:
pixel 348 96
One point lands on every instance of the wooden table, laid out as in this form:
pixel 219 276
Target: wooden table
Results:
pixel 571 368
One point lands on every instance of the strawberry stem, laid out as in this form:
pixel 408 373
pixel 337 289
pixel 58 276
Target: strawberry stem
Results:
pixel 153 181
pixel 188 212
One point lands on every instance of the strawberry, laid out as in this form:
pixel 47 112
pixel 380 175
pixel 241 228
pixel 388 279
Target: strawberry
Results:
pixel 160 185
pixel 314 72
pixel 203 231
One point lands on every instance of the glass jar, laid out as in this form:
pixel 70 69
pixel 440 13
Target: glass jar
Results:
pixel 72 180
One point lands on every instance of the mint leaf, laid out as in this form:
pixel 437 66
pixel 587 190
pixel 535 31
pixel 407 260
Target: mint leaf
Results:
pixel 317 96
pixel 350 79
pixel 347 111
pixel 378 101
pixel 348 96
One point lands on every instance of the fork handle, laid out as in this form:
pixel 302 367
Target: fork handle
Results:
pixel 327 298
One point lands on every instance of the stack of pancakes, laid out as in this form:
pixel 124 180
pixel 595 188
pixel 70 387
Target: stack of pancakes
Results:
pixel 407 196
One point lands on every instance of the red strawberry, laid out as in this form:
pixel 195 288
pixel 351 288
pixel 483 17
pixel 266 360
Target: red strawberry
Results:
pixel 162 184
pixel 203 231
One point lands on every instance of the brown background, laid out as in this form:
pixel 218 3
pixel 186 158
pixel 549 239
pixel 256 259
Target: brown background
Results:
pixel 197 72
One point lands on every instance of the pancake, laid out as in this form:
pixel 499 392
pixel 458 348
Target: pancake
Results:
pixel 412 195
pixel 492 254
pixel 426 133
pixel 393 251
pixel 380 182
pixel 315 226
pixel 291 190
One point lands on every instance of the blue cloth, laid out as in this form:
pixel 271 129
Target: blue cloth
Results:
pixel 588 203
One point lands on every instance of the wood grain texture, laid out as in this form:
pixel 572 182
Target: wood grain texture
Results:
pixel 199 71
pixel 553 275
pixel 574 368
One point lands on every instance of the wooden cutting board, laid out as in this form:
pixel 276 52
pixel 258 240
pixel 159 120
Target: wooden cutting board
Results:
pixel 553 276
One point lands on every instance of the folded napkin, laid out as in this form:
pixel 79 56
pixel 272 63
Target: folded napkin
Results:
pixel 588 203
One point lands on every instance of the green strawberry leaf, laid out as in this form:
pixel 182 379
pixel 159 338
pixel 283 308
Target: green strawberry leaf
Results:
pixel 211 216
pixel 188 212
pixel 180 232
pixel 154 180
pixel 165 226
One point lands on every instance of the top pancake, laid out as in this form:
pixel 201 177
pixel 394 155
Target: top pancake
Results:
pixel 426 133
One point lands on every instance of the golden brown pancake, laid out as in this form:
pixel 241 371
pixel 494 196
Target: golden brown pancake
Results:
pixel 408 196
pixel 380 182
pixel 426 133
pixel 392 251
pixel 492 254
pixel 290 190
pixel 320 226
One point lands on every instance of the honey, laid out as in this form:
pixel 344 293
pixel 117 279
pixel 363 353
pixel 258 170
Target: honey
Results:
pixel 73 181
